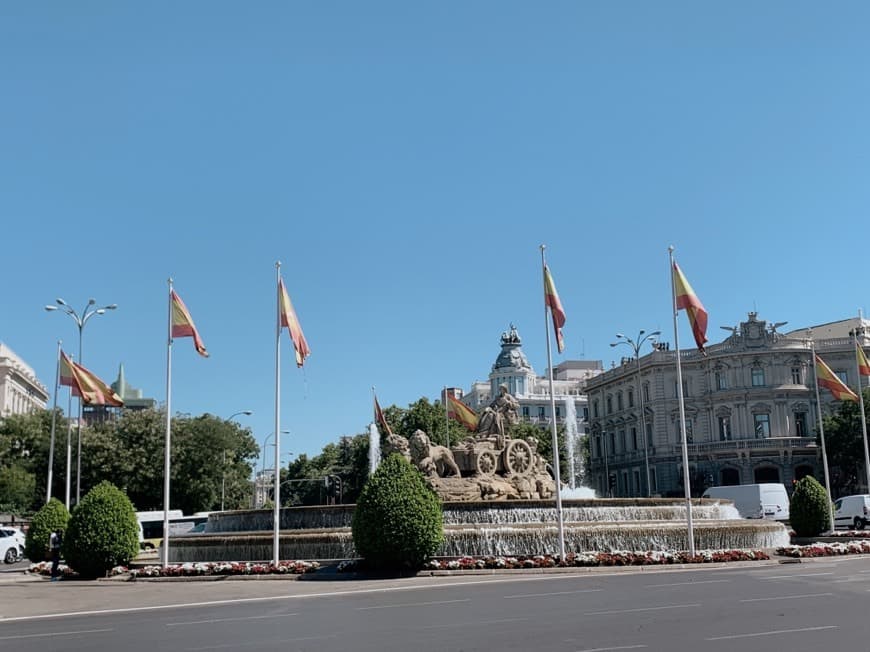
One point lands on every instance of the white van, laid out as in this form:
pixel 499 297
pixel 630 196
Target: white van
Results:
pixel 852 511
pixel 768 500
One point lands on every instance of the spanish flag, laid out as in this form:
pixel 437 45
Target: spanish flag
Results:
pixel 863 365
pixel 458 410
pixel 289 319
pixel 551 300
pixel 182 324
pixel 687 300
pixel 830 381
pixel 91 389
pixel 381 420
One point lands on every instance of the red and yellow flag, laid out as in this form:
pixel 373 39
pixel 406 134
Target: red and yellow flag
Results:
pixel 551 300
pixel 863 365
pixel 687 300
pixel 289 319
pixel 381 420
pixel 830 381
pixel 458 410
pixel 182 324
pixel 85 384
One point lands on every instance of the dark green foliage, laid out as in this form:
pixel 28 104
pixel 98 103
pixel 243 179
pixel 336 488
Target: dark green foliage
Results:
pixel 809 508
pixel 102 532
pixel 51 517
pixel 397 524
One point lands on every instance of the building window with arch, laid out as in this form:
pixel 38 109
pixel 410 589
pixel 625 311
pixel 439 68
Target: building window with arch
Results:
pixel 721 382
pixel 797 377
pixel 800 424
pixel 762 425
pixel 724 428
pixel 631 398
pixel 758 376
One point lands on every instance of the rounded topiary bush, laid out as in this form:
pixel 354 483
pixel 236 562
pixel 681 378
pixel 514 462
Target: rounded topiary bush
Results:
pixel 51 516
pixel 102 533
pixel 397 524
pixel 809 509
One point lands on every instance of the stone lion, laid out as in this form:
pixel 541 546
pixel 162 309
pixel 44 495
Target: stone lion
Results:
pixel 397 444
pixel 431 460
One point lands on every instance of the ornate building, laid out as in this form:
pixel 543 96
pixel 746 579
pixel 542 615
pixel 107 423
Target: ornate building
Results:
pixel 20 389
pixel 750 408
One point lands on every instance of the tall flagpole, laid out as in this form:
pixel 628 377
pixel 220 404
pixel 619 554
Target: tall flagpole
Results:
pixel 821 429
pixel 68 446
pixel 553 417
pixel 863 416
pixel 54 425
pixel 276 519
pixel 687 488
pixel 168 438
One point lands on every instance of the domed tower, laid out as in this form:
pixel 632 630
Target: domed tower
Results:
pixel 511 367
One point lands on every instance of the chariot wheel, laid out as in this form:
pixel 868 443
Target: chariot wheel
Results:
pixel 518 457
pixel 486 463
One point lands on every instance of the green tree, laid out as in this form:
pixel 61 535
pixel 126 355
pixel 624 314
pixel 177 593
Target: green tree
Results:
pixel 24 446
pixel 102 532
pixel 844 443
pixel 809 509
pixel 51 516
pixel 397 523
pixel 17 489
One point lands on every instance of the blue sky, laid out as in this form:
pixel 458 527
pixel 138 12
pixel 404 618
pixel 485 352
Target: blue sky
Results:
pixel 405 161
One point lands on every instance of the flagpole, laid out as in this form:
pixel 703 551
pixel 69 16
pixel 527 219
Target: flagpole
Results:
pixel 821 429
pixel 54 424
pixel 68 447
pixel 687 488
pixel 553 416
pixel 168 438
pixel 276 518
pixel 861 403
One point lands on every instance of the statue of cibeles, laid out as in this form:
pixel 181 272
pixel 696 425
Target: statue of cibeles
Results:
pixel 501 413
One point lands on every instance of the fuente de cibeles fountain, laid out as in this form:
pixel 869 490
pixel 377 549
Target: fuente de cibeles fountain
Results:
pixel 498 500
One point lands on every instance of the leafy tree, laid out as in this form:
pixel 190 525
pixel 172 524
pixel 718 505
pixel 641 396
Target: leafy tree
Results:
pixel 844 443
pixel 17 489
pixel 102 533
pixel 397 523
pixel 809 509
pixel 24 446
pixel 52 516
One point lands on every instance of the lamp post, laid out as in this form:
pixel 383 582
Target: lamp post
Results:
pixel 263 469
pixel 635 345
pixel 80 320
pixel 224 458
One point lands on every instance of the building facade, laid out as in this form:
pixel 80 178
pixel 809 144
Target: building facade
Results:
pixel 132 397
pixel 750 410
pixel 20 389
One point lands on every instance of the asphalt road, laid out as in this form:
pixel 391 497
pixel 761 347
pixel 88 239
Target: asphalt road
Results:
pixel 803 607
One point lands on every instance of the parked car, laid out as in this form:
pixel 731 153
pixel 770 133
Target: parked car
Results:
pixel 11 544
pixel 766 500
pixel 852 511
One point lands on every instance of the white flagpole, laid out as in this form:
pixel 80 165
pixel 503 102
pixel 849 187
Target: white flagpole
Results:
pixel 167 443
pixel 863 416
pixel 54 424
pixel 553 416
pixel 687 488
pixel 821 430
pixel 68 446
pixel 276 519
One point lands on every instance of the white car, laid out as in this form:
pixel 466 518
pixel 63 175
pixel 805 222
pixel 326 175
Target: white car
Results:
pixel 11 544
pixel 852 511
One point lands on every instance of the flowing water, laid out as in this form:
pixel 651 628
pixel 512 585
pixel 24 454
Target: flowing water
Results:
pixel 374 449
pixel 570 439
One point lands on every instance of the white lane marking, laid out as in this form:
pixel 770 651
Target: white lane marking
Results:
pixel 631 611
pixel 788 577
pixel 655 586
pixel 773 632
pixel 411 604
pixel 258 643
pixel 226 620
pixel 78 631
pixel 540 595
pixel 620 647
pixel 475 623
pixel 789 597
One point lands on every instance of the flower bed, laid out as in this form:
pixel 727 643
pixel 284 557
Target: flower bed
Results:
pixel 226 568
pixel 44 568
pixel 825 549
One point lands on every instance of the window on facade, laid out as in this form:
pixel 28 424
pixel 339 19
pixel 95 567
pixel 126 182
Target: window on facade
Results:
pixel 690 433
pixel 586 414
pixel 721 382
pixel 636 488
pixel 653 481
pixel 634 438
pixel 689 436
pixel 844 376
pixel 596 450
pixel 757 376
pixel 646 392
pixel 609 405
pixel 800 424
pixel 525 410
pixel 595 408
pixel 631 398
pixel 619 401
pixel 762 425
pixel 622 441
pixel 558 411
pixel 724 428
pixel 685 389
pixel 540 411
pixel 612 442
pixel 649 434
pixel 796 376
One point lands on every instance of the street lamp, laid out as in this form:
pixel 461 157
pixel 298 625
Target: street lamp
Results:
pixel 635 345
pixel 80 320
pixel 224 460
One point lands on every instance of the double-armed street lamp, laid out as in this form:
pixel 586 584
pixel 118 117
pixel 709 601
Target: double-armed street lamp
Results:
pixel 80 320
pixel 635 345
pixel 247 413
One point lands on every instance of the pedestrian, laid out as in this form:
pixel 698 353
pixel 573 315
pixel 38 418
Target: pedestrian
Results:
pixel 55 542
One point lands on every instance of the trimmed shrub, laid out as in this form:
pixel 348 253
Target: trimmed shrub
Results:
pixel 397 524
pixel 103 532
pixel 809 507
pixel 51 516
